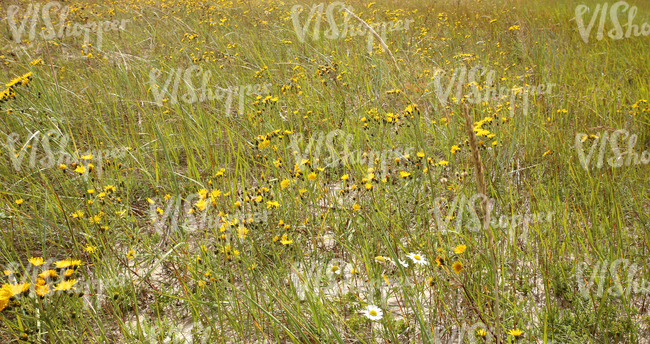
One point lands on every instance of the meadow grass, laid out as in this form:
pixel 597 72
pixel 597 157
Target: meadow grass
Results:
pixel 197 223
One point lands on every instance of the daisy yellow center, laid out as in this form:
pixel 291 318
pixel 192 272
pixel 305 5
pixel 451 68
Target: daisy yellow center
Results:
pixel 373 313
pixel 335 268
pixel 416 257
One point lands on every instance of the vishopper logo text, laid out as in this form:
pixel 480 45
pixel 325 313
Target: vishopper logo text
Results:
pixel 348 28
pixel 64 30
pixel 491 94
pixel 628 157
pixel 600 274
pixel 460 205
pixel 88 289
pixel 48 159
pixel 194 213
pixel 313 152
pixel 205 92
pixel 615 33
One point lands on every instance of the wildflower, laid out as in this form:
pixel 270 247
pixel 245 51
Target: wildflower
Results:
pixel 380 259
pixel 47 274
pixel 36 261
pixel 90 248
pixel 460 249
pixel 241 232
pixel 373 312
pixel 276 238
pixel 66 285
pixel 355 207
pixel 454 149
pixel 403 263
pixel 62 264
pixel 430 282
pixel 130 254
pixel 515 333
pixel 312 176
pixel 80 169
pixel 272 204
pixel 285 240
pixel 417 259
pixel 19 201
pixel 458 267
pixel 481 332
pixel 440 261
pixel 42 290
pixel 404 174
pixel 284 184
pixel 335 269
pixel 345 177
pixel 63 167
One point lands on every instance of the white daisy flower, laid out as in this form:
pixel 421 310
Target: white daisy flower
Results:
pixel 373 312
pixel 402 263
pixel 335 269
pixel 417 259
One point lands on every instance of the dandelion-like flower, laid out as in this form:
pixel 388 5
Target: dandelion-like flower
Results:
pixel 515 333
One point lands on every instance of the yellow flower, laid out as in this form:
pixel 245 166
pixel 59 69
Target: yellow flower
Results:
pixel 63 167
pixel 356 207
pixel 515 332
pixel 285 240
pixel 440 261
pixel 130 254
pixel 380 259
pixel 454 149
pixel 47 274
pixel 42 290
pixel 458 267
pixel 272 204
pixel 201 204
pixel 87 157
pixel 80 169
pixel 90 248
pixel 61 264
pixel 404 174
pixel 150 201
pixel 460 249
pixel 443 162
pixel 67 285
pixel 36 261
pixel 312 176
pixel 345 177
pixel 481 332
pixel 241 232
pixel 19 201
pixel 284 184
